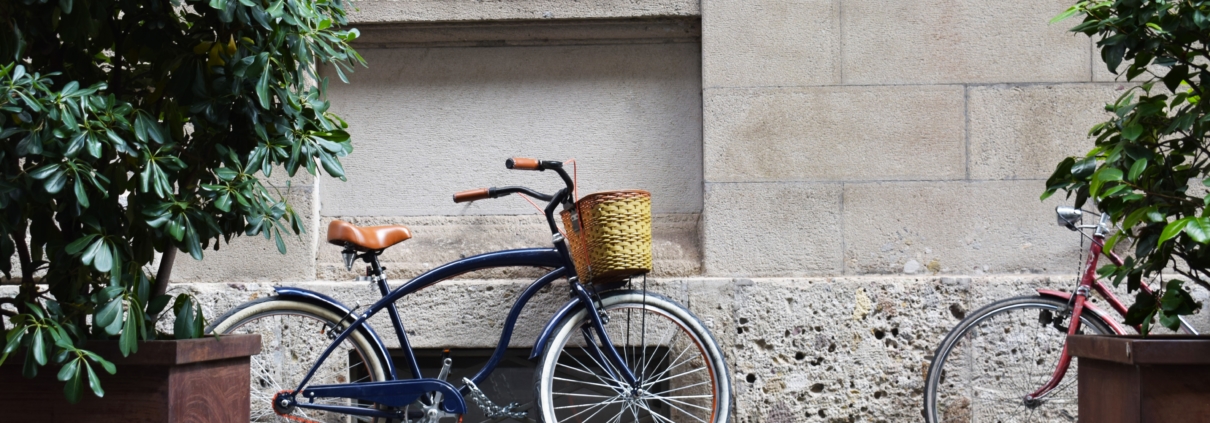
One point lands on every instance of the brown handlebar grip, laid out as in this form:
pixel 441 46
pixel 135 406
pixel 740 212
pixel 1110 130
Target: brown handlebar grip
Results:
pixel 522 163
pixel 471 195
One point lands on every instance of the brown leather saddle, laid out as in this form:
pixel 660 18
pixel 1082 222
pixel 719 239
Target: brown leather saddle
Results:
pixel 366 238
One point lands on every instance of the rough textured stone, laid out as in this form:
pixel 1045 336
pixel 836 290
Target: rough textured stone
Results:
pixel 474 10
pixel 442 315
pixel 772 229
pixel 834 133
pixel 770 43
pixel 440 239
pixel 955 227
pixel 956 41
pixel 1022 132
pixel 253 258
pixel 431 122
pixel 812 349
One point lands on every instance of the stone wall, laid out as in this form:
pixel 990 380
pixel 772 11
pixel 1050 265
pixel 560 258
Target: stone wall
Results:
pixel 836 180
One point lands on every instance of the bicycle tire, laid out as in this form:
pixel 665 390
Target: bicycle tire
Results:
pixel 293 334
pixel 984 367
pixel 704 396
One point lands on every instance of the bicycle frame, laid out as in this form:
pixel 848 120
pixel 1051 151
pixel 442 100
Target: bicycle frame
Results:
pixel 1079 304
pixel 399 392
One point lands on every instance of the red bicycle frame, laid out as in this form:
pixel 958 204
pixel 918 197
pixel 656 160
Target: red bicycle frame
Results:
pixel 1088 282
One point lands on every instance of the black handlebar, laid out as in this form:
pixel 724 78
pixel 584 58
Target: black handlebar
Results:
pixel 522 164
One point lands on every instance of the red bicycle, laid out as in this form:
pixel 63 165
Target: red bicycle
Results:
pixel 1008 361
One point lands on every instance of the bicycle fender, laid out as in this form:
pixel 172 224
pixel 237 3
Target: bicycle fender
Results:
pixel 312 297
pixel 1065 296
pixel 567 309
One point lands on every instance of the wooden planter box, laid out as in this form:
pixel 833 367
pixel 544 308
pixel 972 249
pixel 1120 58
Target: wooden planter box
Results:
pixel 1131 379
pixel 195 380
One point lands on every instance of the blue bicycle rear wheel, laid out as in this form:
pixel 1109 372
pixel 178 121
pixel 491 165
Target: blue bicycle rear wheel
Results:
pixel 293 335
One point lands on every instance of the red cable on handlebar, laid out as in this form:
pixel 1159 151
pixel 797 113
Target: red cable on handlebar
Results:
pixel 575 179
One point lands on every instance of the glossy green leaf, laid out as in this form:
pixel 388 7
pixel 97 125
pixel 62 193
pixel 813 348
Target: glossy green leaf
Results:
pixel 223 202
pixel 105 364
pixel 75 247
pixel 128 342
pixel 93 381
pixel 68 370
pixel 108 313
pixel 1084 168
pixel 1198 229
pixel 1173 229
pixel 1112 241
pixel 81 194
pixel 74 386
pixel 14 337
pixel 1137 169
pixel 262 86
pixel 1105 174
pixel 183 327
pixel 38 347
pixel 55 182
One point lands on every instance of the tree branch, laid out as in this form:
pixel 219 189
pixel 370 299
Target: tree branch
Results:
pixel 165 271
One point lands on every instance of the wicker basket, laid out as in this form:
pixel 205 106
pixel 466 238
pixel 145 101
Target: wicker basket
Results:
pixel 611 238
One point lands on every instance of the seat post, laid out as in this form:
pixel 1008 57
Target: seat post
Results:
pixel 376 272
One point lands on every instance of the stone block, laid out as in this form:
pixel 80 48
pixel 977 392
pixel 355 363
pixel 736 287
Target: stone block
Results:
pixel 465 313
pixel 772 229
pixel 770 43
pixel 531 33
pixel 253 258
pixel 955 227
pixel 846 349
pixel 427 123
pixel 441 239
pixel 376 11
pixel 958 41
pixel 1022 132
pixel 834 133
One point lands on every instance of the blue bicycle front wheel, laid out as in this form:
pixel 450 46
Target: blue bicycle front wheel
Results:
pixel 682 376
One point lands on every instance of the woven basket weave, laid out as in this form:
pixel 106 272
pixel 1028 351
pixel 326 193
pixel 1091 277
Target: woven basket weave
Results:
pixel 612 240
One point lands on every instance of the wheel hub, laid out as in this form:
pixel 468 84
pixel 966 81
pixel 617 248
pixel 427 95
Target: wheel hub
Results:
pixel 283 403
pixel 1031 402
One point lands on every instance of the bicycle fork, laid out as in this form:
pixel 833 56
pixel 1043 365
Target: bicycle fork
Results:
pixel 1073 327
pixel 605 353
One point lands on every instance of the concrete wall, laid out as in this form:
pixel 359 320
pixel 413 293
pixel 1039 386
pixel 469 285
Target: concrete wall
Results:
pixel 835 180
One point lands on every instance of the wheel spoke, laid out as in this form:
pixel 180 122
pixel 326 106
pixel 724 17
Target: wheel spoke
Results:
pixel 667 354
pixel 1000 353
pixel 680 409
pixel 292 335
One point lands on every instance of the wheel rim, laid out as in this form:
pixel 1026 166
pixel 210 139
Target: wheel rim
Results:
pixel 678 376
pixel 1010 352
pixel 291 342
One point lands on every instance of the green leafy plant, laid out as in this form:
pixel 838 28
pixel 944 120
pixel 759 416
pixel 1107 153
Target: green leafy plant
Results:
pixel 1149 168
pixel 131 127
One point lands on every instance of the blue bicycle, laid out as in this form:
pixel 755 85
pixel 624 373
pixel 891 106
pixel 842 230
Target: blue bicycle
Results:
pixel 609 355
